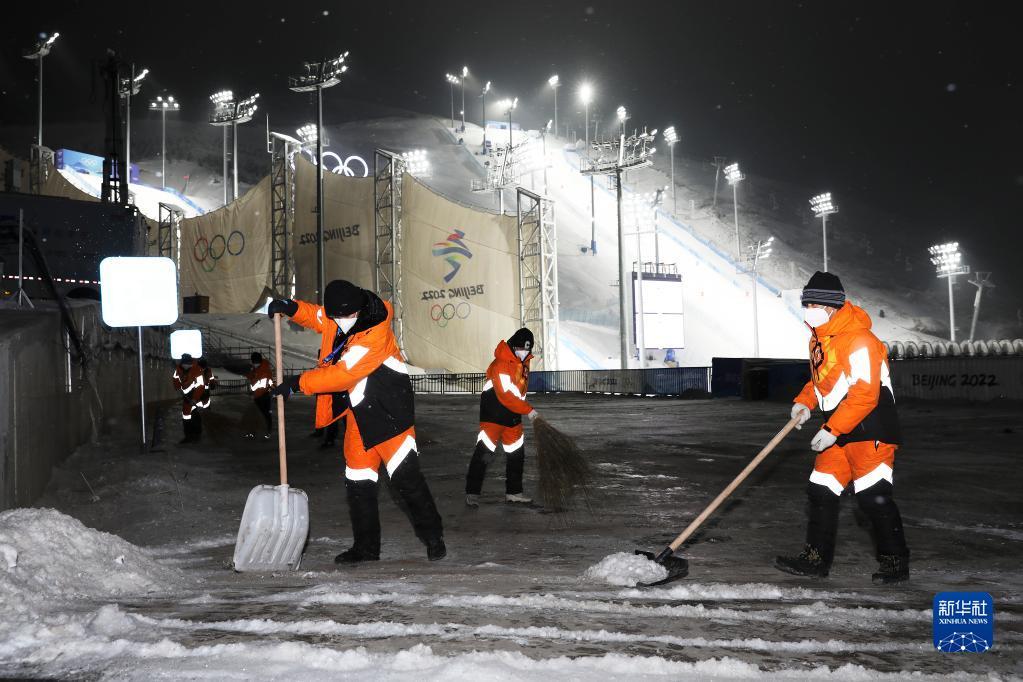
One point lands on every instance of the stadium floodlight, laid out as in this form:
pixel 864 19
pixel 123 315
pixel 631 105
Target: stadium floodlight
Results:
pixel 129 87
pixel 227 111
pixel 417 163
pixel 948 262
pixel 318 76
pixel 308 134
pixel 586 96
pixel 509 106
pixel 623 116
pixel 734 177
pixel 452 81
pixel 163 105
pixel 554 82
pixel 37 52
pixel 483 96
pixel 823 206
pixel 671 138
pixel 759 251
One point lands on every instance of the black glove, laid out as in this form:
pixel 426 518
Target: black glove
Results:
pixel 282 306
pixel 287 387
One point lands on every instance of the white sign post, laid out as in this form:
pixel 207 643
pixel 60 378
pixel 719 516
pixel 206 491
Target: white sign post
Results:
pixel 138 292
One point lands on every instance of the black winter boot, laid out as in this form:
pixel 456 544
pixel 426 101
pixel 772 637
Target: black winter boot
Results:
pixel 481 456
pixel 809 563
pixel 878 504
pixel 894 569
pixel 365 516
pixel 408 480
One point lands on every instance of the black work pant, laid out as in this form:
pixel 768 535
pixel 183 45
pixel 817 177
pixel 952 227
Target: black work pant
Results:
pixel 263 403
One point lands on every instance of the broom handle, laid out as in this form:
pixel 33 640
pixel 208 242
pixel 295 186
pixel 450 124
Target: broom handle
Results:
pixel 281 441
pixel 698 521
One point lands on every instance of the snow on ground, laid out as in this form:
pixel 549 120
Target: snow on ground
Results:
pixel 514 599
pixel 626 570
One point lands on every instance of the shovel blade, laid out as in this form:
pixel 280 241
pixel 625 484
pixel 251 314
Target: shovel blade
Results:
pixel 273 531
pixel 677 567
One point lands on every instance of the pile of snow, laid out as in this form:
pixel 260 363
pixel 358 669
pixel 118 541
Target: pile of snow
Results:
pixel 49 557
pixel 626 570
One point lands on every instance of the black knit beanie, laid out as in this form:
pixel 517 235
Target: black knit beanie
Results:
pixel 824 289
pixel 342 298
pixel 523 338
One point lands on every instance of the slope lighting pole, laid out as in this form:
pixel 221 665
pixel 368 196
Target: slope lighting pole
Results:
pixel 671 137
pixel 734 177
pixel 947 261
pixel 554 82
pixel 163 106
pixel 718 161
pixel 465 72
pixel 760 251
pixel 452 80
pixel 981 281
pixel 40 50
pixel 623 116
pixel 509 106
pixel 130 87
pixel 823 207
pixel 317 77
pixel 586 96
pixel 483 96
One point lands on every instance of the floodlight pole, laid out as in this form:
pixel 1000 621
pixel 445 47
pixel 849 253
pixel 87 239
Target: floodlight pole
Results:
pixel 951 310
pixel 555 88
pixel 452 84
pixel 127 125
pixel 163 147
pixel 622 286
pixel 640 319
pixel 718 160
pixel 981 282
pixel 22 296
pixel 463 100
pixel 483 96
pixel 224 129
pixel 234 156
pixel 756 308
pixel 39 134
pixel 735 206
pixel 674 203
pixel 593 212
pixel 824 229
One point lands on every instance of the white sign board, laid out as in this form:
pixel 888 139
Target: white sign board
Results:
pixel 186 341
pixel 662 313
pixel 138 292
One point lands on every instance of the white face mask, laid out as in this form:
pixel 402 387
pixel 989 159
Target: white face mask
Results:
pixel 815 317
pixel 521 354
pixel 346 323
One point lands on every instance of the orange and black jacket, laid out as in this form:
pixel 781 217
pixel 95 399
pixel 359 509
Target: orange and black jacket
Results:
pixel 261 379
pixel 850 380
pixel 503 400
pixel 191 382
pixel 362 371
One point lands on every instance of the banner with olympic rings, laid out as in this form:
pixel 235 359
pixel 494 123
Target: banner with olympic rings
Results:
pixel 460 276
pixel 225 254
pixel 347 229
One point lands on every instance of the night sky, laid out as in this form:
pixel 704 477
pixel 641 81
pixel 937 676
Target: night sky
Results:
pixel 912 107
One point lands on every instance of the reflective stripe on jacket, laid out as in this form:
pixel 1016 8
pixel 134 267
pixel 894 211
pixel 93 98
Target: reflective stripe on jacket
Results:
pixel 261 379
pixel 503 400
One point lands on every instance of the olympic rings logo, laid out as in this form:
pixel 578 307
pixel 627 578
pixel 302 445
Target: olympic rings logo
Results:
pixel 341 166
pixel 442 314
pixel 207 252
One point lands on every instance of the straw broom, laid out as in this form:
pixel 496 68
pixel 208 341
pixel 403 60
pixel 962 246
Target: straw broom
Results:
pixel 563 470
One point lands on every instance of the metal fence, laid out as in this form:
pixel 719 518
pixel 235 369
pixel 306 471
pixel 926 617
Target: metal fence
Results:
pixel 676 381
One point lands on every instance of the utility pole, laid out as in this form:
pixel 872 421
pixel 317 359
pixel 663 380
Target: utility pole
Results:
pixel 718 162
pixel 981 281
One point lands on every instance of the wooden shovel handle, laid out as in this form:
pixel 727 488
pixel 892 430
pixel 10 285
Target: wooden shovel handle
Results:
pixel 698 521
pixel 281 442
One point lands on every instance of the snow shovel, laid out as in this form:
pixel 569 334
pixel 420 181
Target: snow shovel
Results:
pixel 275 523
pixel 677 566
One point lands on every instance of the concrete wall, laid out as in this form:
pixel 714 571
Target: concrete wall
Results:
pixel 49 406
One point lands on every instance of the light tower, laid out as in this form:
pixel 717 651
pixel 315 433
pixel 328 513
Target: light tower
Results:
pixel 948 263
pixel 229 112
pixel 317 77
pixel 452 81
pixel 671 138
pixel 37 52
pixel 554 82
pixel 417 163
pixel 509 106
pixel 483 96
pixel 623 116
pixel 823 206
pixel 223 110
pixel 734 177
pixel 465 72
pixel 981 280
pixel 759 251
pixel 586 96
pixel 163 105
pixel 129 88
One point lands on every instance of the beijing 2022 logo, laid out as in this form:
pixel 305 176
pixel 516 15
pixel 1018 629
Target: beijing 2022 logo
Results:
pixel 964 622
pixel 454 251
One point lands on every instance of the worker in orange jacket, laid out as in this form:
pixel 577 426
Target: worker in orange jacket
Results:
pixel 502 406
pixel 362 378
pixel 190 380
pixel 851 384
pixel 261 384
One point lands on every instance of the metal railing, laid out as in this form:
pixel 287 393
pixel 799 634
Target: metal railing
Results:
pixel 674 381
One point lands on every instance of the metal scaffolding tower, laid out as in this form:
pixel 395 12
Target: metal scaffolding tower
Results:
pixel 538 274
pixel 388 169
pixel 168 234
pixel 282 208
pixel 40 163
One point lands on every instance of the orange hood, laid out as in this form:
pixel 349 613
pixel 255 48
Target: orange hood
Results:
pixel 848 318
